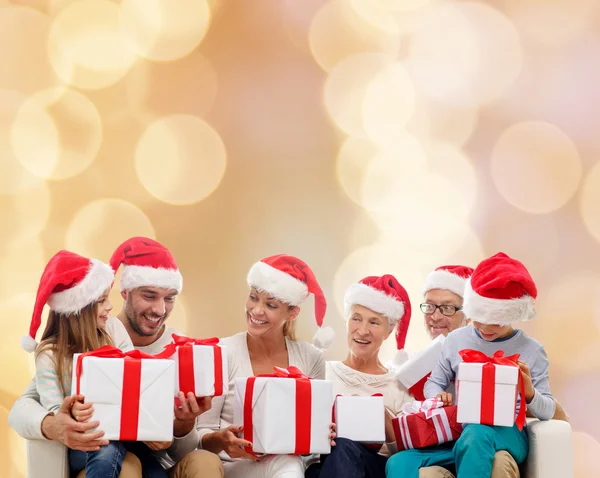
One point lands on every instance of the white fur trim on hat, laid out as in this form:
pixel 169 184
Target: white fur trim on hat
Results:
pixel 375 300
pixel 99 277
pixel 442 279
pixel 497 311
pixel 133 277
pixel 324 338
pixel 280 285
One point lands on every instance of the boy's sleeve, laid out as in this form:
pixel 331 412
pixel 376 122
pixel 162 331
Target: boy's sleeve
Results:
pixel 542 404
pixel 442 374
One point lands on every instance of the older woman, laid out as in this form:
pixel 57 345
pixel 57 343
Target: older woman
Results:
pixel 278 285
pixel 373 308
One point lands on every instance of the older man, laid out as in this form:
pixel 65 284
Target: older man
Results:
pixel 150 283
pixel 442 309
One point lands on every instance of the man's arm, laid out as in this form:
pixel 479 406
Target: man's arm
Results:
pixel 27 415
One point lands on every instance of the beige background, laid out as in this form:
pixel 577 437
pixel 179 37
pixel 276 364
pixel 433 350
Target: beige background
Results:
pixel 364 137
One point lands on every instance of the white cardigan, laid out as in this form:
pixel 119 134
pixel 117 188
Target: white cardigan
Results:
pixel 300 354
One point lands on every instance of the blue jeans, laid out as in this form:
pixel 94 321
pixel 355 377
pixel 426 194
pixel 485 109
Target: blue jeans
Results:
pixel 472 454
pixel 107 462
pixel 349 459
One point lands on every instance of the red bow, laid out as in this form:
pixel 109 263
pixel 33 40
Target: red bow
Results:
pixel 488 382
pixel 132 376
pixel 180 340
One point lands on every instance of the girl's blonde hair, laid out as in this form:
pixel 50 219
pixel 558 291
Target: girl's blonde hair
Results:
pixel 68 334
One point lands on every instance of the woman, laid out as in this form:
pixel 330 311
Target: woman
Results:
pixel 373 307
pixel 278 285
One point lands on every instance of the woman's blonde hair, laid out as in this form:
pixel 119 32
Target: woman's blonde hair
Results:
pixel 289 328
pixel 68 334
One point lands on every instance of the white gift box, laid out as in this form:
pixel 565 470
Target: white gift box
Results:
pixel 203 371
pixel 414 372
pixel 273 413
pixel 497 401
pixel 103 382
pixel 360 419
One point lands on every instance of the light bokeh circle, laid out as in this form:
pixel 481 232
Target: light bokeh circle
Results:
pixel 87 47
pixel 536 167
pixel 105 218
pixel 338 32
pixel 196 154
pixel 589 202
pixel 67 129
pixel 164 30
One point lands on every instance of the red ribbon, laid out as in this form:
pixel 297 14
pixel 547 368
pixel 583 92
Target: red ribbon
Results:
pixel 184 348
pixel 303 407
pixel 488 382
pixel 132 376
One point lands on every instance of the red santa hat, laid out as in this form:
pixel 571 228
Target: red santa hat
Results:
pixel 69 283
pixel 500 291
pixel 290 280
pixel 452 278
pixel 386 296
pixel 146 262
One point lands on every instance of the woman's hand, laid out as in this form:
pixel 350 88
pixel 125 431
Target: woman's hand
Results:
pixel 81 411
pixel 333 434
pixel 158 445
pixel 446 398
pixel 227 440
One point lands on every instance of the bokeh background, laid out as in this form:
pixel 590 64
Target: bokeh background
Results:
pixel 364 136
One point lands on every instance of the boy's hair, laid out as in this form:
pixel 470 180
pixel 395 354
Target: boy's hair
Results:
pixel 68 334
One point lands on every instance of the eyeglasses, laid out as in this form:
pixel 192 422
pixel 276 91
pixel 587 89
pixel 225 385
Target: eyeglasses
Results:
pixel 447 310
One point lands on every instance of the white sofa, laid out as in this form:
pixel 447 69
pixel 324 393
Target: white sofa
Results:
pixel 550 453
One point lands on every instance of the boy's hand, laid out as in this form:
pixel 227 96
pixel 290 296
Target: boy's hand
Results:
pixel 445 397
pixel 81 411
pixel 529 390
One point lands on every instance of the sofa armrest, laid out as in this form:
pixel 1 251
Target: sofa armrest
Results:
pixel 550 450
pixel 47 459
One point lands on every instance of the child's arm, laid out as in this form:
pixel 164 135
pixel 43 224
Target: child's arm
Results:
pixel 442 374
pixel 46 382
pixel 539 399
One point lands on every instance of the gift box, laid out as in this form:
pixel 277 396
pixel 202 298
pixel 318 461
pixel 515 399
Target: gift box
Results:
pixel 131 393
pixel 426 423
pixel 284 413
pixel 414 372
pixel 487 389
pixel 200 366
pixel 361 419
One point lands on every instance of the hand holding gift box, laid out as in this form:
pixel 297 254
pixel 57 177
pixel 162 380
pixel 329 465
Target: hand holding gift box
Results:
pixel 426 423
pixel 487 389
pixel 131 393
pixel 200 366
pixel 284 413
pixel 414 372
pixel 361 419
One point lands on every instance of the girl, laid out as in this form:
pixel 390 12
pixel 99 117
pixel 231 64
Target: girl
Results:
pixel 76 289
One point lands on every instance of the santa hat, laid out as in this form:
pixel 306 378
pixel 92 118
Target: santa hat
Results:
pixel 290 280
pixel 69 283
pixel 384 295
pixel 146 262
pixel 452 278
pixel 500 291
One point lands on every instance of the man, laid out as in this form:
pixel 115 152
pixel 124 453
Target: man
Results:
pixel 442 309
pixel 150 283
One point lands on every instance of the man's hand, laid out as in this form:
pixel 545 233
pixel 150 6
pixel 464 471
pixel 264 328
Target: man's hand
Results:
pixel 191 408
pixel 227 440
pixel 526 373
pixel 446 398
pixel 63 428
pixel 158 445
pixel 81 411
pixel 332 434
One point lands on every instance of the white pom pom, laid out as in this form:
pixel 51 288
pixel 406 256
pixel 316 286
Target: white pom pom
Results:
pixel 323 338
pixel 400 358
pixel 28 343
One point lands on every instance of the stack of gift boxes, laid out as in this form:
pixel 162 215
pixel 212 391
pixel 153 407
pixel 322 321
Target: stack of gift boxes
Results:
pixel 286 412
